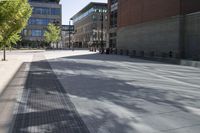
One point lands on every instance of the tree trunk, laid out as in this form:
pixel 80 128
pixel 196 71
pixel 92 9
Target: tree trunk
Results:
pixel 49 45
pixel 57 45
pixel 4 53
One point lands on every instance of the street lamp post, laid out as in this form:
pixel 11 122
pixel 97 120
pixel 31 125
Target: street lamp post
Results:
pixel 70 44
pixel 69 33
pixel 102 44
pixel 56 23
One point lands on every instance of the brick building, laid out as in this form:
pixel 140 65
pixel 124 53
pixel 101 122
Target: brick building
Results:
pixel 169 28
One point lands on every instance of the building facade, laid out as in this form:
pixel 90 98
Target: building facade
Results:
pixel 112 23
pixel 91 25
pixel 44 12
pixel 67 36
pixel 164 28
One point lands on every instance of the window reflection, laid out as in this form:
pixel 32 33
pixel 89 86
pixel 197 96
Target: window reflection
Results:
pixel 39 21
pixel 36 33
pixel 46 11
pixel 90 11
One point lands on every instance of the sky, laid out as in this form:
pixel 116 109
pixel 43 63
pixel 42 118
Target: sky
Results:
pixel 71 7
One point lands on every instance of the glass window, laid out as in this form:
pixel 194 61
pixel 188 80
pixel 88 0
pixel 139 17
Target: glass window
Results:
pixel 55 11
pixel 46 11
pixel 41 10
pixel 94 17
pixel 39 21
pixel 113 1
pixel 113 19
pixel 36 33
pixel 100 10
pixel 84 15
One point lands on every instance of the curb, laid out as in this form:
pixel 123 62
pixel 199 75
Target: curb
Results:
pixel 10 79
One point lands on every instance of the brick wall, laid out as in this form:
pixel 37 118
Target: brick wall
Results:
pixel 190 6
pixel 133 12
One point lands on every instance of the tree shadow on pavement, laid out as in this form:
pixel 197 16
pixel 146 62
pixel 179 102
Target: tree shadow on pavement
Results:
pixel 110 104
pixel 104 57
pixel 44 105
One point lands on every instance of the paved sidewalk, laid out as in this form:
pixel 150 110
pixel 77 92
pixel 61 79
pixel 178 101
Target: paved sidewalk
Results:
pixel 111 94
pixel 9 98
pixel 44 105
pixel 8 68
pixel 117 94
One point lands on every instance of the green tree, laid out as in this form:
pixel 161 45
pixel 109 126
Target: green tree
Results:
pixel 52 34
pixel 14 15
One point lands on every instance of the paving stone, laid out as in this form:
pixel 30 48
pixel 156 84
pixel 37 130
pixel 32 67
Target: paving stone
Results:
pixel 44 105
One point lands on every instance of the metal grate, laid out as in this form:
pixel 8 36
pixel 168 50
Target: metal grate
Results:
pixel 44 105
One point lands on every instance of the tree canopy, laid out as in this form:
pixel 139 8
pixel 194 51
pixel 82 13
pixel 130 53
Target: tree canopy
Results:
pixel 14 15
pixel 52 34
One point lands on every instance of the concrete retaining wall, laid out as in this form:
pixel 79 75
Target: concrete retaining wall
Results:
pixel 192 36
pixel 190 63
pixel 159 37
pixel 162 38
pixel 160 59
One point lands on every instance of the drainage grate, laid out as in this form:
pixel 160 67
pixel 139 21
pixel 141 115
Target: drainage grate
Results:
pixel 44 105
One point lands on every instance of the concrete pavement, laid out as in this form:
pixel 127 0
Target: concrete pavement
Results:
pixel 116 94
pixel 10 97
pixel 100 94
pixel 14 61
pixel 12 79
pixel 44 105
